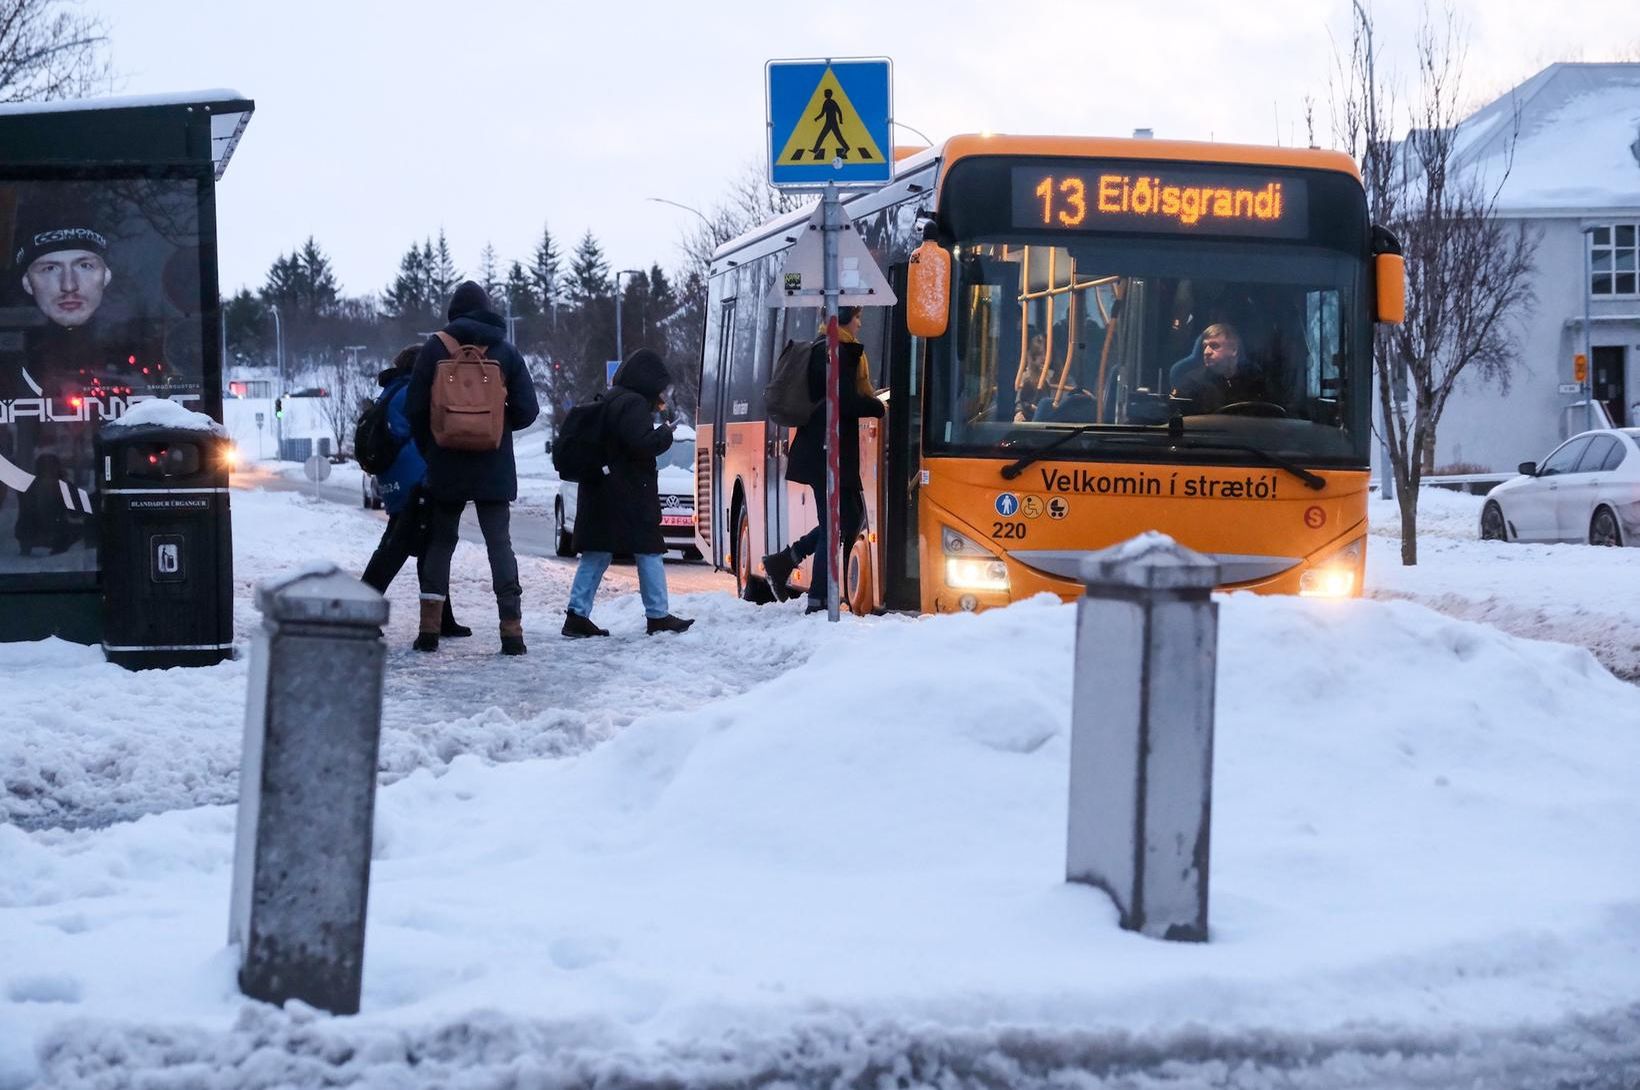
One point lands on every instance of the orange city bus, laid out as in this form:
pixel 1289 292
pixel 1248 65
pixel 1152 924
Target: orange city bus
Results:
pixel 1043 371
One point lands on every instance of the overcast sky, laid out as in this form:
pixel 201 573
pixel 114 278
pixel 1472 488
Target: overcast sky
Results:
pixel 378 123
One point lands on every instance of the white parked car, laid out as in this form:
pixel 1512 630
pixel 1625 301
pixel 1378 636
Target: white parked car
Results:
pixel 1587 489
pixel 677 490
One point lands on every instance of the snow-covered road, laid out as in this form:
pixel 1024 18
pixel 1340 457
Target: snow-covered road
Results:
pixel 91 744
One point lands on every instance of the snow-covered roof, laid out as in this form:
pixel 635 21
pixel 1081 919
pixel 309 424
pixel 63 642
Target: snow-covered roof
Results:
pixel 1577 146
pixel 230 112
pixel 121 102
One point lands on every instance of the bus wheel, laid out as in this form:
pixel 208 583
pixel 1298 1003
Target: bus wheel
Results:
pixel 858 591
pixel 750 587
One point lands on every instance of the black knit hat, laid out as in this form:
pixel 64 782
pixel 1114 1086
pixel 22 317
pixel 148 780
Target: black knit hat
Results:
pixel 469 297
pixel 45 229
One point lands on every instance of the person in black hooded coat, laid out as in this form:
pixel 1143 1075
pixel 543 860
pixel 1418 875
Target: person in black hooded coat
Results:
pixel 488 478
pixel 619 510
pixel 807 461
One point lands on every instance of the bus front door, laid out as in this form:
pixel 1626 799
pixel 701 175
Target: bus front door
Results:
pixel 721 531
pixel 776 446
pixel 902 465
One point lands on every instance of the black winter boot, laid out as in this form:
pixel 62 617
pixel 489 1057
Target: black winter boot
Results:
pixel 577 627
pixel 447 624
pixel 668 623
pixel 512 637
pixel 779 567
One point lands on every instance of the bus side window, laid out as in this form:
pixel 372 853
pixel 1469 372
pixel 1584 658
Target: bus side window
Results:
pixel 873 335
pixel 1322 338
pixel 743 350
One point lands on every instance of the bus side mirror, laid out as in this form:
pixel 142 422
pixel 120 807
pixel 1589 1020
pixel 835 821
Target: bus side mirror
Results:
pixel 928 288
pixel 1390 275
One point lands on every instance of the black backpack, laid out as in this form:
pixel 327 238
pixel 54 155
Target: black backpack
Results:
pixel 578 451
pixel 374 444
pixel 786 397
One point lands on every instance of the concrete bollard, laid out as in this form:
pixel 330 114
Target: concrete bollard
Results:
pixel 1142 734
pixel 307 790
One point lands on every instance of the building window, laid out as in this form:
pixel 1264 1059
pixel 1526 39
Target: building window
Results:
pixel 1613 261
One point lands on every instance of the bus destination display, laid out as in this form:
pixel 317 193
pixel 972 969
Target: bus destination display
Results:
pixel 1159 197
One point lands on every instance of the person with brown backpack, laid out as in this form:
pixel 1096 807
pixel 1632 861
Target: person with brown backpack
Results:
pixel 469 392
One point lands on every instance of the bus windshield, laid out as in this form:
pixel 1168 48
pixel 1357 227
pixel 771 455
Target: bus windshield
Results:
pixel 1248 343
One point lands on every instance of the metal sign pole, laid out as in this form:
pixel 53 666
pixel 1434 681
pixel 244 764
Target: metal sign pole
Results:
pixel 832 224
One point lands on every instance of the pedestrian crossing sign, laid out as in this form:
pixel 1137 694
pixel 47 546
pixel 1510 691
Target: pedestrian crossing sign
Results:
pixel 829 122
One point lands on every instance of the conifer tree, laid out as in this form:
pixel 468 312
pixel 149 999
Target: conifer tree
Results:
pixel 519 294
pixel 444 274
pixel 545 267
pixel 588 272
pixel 409 296
pixel 489 272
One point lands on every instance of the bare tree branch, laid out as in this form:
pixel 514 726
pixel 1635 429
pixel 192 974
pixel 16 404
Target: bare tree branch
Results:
pixel 50 50
pixel 1468 272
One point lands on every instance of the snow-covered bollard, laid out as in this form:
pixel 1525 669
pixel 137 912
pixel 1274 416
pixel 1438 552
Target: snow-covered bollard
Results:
pixel 1142 734
pixel 307 790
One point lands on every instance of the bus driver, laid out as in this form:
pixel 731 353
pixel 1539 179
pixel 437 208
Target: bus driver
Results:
pixel 1225 377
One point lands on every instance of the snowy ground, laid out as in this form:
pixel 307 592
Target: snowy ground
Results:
pixel 1572 593
pixel 773 849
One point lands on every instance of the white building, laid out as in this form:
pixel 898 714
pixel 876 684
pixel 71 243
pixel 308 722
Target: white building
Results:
pixel 1575 177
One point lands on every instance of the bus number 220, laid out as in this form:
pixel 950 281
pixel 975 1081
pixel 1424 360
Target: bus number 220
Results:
pixel 1008 531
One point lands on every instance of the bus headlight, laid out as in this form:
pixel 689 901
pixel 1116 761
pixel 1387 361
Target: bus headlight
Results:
pixel 230 456
pixel 1335 576
pixel 969 565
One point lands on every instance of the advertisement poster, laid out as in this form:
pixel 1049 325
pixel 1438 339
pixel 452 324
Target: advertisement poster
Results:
pixel 100 309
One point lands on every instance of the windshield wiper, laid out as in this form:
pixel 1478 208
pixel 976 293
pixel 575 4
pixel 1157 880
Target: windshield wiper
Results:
pixel 1015 468
pixel 1311 480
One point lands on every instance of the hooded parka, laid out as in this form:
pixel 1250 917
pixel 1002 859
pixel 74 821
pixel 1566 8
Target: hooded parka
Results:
pixel 459 475
pixel 619 511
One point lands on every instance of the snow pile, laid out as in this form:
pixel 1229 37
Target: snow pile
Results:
pixel 1576 594
pixel 164 413
pixel 1424 839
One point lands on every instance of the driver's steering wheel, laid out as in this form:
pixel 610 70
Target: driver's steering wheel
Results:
pixel 1253 408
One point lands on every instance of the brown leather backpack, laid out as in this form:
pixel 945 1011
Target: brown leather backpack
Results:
pixel 469 401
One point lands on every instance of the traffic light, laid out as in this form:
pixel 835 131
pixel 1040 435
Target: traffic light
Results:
pixel 279 408
pixel 1580 369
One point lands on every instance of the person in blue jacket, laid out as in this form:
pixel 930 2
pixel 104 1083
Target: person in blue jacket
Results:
pixel 401 492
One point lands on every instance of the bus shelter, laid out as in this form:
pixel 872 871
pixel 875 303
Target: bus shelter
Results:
pixel 108 298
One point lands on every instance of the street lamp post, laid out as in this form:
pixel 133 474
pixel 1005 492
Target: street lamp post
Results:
pixel 620 355
pixel 1588 353
pixel 687 208
pixel 279 387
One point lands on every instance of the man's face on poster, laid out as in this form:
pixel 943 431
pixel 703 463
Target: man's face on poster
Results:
pixel 67 285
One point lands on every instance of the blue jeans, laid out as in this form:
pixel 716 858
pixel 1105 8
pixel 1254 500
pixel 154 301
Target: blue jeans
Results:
pixel 651 583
